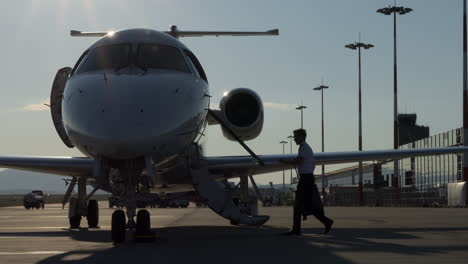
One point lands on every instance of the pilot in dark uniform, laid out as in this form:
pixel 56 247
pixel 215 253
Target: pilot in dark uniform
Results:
pixel 307 200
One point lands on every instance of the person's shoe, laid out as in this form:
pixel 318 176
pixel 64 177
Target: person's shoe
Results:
pixel 292 232
pixel 328 227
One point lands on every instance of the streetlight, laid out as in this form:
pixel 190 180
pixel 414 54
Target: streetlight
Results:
pixel 465 99
pixel 321 88
pixel 290 145
pixel 283 142
pixel 301 107
pixel 358 46
pixel 388 11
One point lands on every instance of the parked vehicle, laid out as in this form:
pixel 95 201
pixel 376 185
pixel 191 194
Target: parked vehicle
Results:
pixel 34 199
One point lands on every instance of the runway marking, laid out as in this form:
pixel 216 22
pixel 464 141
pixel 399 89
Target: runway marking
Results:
pixel 8 237
pixel 32 253
pixel 41 227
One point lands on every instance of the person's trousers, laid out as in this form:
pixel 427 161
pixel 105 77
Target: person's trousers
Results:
pixel 297 218
pixel 305 186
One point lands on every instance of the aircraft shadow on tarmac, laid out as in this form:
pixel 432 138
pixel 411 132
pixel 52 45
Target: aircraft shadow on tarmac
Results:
pixel 238 244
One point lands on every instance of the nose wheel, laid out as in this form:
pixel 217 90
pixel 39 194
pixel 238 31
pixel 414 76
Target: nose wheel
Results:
pixel 143 231
pixel 129 174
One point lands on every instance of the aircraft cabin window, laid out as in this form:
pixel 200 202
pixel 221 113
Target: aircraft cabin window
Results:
pixel 111 57
pixel 154 56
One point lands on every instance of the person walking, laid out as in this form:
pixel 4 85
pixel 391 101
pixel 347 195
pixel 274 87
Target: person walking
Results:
pixel 307 200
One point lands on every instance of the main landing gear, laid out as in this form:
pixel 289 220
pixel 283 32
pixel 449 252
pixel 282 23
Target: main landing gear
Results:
pixel 81 206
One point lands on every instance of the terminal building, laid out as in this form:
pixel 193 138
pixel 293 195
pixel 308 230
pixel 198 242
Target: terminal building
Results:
pixel 421 181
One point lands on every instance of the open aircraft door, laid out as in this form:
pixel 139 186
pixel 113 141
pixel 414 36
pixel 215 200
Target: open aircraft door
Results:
pixel 56 97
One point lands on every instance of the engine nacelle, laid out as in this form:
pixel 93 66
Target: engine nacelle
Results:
pixel 242 110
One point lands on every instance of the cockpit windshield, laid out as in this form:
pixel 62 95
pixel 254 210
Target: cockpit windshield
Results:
pixel 147 57
pixel 111 57
pixel 155 56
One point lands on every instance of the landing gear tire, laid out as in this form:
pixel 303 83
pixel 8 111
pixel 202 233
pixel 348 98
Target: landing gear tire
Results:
pixel 75 221
pixel 143 231
pixel 118 226
pixel 73 217
pixel 143 222
pixel 93 214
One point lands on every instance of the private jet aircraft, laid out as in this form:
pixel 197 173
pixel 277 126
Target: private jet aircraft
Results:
pixel 136 104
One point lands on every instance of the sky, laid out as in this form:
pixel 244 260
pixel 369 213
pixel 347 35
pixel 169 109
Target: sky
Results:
pixel 283 70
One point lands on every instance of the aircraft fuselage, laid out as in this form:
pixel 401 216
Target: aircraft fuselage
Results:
pixel 135 104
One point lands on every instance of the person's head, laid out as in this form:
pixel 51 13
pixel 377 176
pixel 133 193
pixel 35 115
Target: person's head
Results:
pixel 299 135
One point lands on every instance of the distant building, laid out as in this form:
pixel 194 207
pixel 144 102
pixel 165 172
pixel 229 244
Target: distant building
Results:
pixel 409 131
pixel 422 173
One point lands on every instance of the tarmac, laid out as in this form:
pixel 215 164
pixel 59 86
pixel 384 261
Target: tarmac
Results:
pixel 195 235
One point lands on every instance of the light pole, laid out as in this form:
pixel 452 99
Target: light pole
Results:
pixel 301 107
pixel 465 99
pixel 321 88
pixel 283 142
pixel 358 46
pixel 388 11
pixel 290 145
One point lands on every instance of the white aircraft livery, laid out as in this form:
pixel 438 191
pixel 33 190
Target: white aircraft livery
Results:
pixel 136 104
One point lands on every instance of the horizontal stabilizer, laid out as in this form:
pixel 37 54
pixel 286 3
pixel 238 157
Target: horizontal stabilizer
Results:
pixel 175 32
pixel 77 33
pixel 273 32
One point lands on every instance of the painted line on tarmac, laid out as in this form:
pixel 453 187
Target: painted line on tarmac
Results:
pixel 8 237
pixel 32 253
pixel 44 227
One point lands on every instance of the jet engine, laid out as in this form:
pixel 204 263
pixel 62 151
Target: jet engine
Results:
pixel 242 110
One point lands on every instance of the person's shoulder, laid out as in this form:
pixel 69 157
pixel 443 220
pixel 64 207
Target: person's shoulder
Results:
pixel 307 147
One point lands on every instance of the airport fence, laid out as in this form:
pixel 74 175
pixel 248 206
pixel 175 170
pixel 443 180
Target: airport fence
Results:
pixel 389 197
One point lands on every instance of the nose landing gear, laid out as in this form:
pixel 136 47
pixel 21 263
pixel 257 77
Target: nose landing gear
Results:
pixel 142 226
pixel 143 231
pixel 75 215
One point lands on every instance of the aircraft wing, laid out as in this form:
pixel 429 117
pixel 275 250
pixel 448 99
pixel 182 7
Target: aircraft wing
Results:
pixel 53 165
pixel 272 163
pixel 226 164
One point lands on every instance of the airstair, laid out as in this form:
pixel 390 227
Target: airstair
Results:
pixel 220 200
